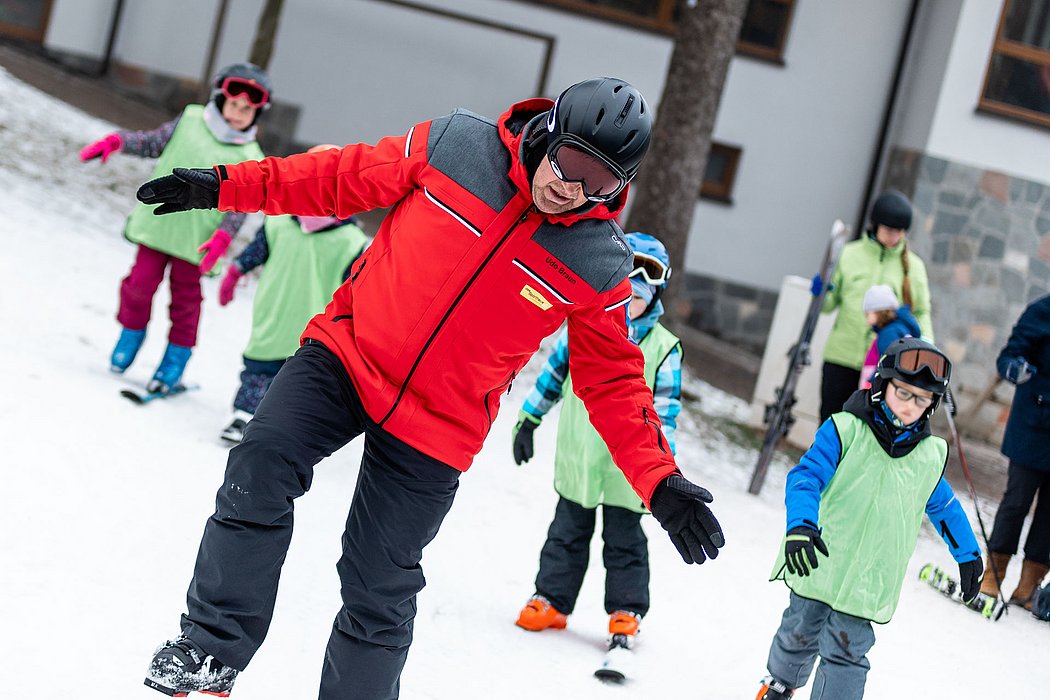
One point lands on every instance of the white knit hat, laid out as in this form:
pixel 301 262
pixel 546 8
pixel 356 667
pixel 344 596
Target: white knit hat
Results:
pixel 880 297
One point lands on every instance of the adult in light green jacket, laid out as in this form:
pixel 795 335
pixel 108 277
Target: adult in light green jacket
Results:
pixel 880 257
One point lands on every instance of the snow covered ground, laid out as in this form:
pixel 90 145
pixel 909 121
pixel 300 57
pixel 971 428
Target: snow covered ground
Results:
pixel 106 502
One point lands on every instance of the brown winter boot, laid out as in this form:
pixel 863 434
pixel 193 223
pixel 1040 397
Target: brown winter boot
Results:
pixel 994 576
pixel 1032 574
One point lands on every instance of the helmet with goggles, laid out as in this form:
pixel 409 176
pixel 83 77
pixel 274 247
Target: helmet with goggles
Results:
pixel 598 132
pixel 242 80
pixel 916 362
pixel 651 261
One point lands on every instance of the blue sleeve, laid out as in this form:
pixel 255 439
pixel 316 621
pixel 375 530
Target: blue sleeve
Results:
pixel 949 519
pixel 808 480
pixel 667 394
pixel 550 383
pixel 255 253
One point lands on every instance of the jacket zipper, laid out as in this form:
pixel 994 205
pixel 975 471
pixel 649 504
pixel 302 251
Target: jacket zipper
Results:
pixel 656 426
pixel 509 383
pixel 359 271
pixel 451 308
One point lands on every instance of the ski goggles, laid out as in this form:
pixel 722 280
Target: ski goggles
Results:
pixel 911 362
pixel 651 269
pixel 255 94
pixel 573 160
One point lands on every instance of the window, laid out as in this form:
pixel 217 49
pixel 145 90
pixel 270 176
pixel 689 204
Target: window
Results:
pixel 24 19
pixel 1017 83
pixel 720 174
pixel 763 34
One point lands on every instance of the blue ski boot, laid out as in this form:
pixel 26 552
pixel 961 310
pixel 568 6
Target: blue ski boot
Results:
pixel 170 370
pixel 180 667
pixel 127 347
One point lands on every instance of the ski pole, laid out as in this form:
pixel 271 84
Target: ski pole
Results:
pixel 949 411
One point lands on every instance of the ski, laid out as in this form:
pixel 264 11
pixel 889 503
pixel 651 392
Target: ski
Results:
pixel 778 415
pixel 939 580
pixel 618 663
pixel 145 397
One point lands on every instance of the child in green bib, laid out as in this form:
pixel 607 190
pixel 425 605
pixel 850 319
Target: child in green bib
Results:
pixel 585 475
pixel 305 258
pixel 857 498
pixel 189 244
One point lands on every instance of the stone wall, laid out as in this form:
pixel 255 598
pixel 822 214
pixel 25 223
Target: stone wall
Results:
pixel 736 313
pixel 985 239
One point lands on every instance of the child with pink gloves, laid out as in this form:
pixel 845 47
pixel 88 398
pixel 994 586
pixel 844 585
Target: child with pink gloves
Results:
pixel 191 243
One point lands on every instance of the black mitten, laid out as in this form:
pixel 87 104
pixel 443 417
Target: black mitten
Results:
pixel 184 189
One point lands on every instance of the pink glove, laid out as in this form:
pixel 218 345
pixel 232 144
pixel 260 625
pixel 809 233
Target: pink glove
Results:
pixel 213 249
pixel 103 148
pixel 228 284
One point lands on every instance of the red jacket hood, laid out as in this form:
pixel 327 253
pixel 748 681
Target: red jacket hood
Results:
pixel 512 129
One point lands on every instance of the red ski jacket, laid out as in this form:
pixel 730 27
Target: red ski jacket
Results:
pixel 464 279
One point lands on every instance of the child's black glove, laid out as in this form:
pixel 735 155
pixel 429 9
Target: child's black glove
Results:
pixel 523 437
pixel 803 542
pixel 184 189
pixel 680 506
pixel 970 578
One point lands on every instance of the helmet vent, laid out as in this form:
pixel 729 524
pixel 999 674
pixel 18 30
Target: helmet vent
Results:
pixel 622 116
pixel 601 115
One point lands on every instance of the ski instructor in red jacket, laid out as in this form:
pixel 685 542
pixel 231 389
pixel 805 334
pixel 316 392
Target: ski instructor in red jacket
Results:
pixel 498 234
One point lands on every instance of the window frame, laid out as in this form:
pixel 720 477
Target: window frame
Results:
pixel 722 190
pixel 663 23
pixel 17 31
pixel 1011 49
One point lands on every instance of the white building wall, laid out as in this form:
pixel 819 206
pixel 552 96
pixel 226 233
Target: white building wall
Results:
pixel 962 134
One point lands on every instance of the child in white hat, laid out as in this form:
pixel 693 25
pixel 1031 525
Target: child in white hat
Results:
pixel 890 321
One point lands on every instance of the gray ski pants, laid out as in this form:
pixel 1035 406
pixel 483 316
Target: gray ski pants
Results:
pixel 811 628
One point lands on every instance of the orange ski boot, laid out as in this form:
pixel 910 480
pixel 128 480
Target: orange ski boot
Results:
pixel 772 689
pixel 538 614
pixel 624 622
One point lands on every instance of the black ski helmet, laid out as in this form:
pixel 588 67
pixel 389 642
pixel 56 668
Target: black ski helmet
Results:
pixel 913 361
pixel 608 114
pixel 891 209
pixel 248 71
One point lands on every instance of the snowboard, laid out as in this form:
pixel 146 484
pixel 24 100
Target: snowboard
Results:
pixel 939 580
pixel 144 397
pixel 778 416
pixel 618 664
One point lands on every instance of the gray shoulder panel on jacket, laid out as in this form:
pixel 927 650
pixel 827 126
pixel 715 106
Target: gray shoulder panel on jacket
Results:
pixel 467 148
pixel 593 249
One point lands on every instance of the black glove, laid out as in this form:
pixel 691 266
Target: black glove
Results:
pixel 970 578
pixel 803 542
pixel 523 437
pixel 184 189
pixel 680 506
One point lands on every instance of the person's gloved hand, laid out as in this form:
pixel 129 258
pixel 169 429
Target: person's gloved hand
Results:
pixel 184 189
pixel 680 506
pixel 103 148
pixel 228 284
pixel 1019 371
pixel 816 285
pixel 523 436
pixel 803 543
pixel 970 578
pixel 213 249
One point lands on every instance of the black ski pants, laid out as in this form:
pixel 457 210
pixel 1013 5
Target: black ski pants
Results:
pixel 837 384
pixel 1022 485
pixel 565 554
pixel 402 495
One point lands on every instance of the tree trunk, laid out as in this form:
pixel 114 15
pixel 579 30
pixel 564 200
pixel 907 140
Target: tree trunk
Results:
pixel 265 34
pixel 668 185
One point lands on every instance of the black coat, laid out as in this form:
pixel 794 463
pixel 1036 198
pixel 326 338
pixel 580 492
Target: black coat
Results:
pixel 1027 438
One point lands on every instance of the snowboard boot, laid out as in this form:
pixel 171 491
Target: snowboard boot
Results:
pixel 172 365
pixel 127 347
pixel 180 667
pixel 538 614
pixel 994 573
pixel 1032 574
pixel 234 432
pixel 772 689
